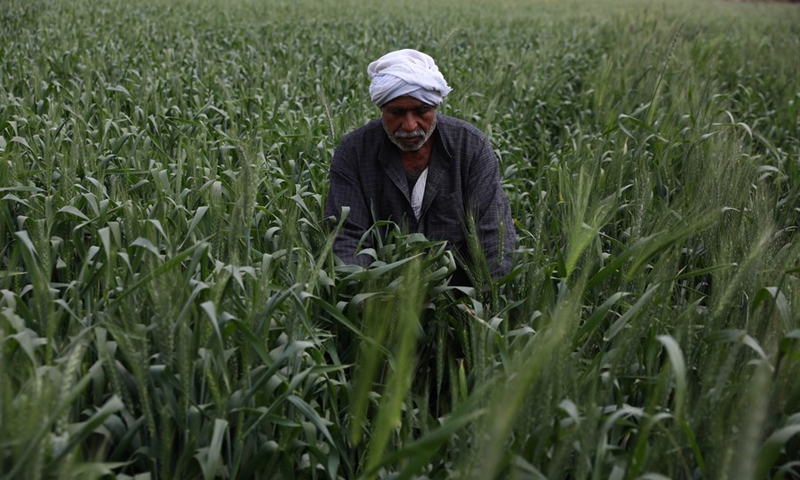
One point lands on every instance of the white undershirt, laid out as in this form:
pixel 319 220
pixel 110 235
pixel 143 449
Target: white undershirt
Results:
pixel 418 193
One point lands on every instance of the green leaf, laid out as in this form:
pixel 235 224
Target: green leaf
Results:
pixel 377 272
pixel 147 245
pixel 618 325
pixel 28 341
pixel 779 299
pixel 74 211
pixel 21 141
pixel 312 416
pixel 698 454
pixel 85 429
pixel 210 458
pixel 772 448
pixel 426 446
pixel 171 263
pixel 26 241
pixel 341 318
pixel 599 314
pixel 198 215
pixel 678 369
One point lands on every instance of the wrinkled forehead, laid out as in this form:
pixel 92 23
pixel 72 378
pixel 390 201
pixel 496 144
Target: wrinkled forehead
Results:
pixel 406 102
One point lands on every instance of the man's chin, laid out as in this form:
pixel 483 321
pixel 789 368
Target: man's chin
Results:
pixel 407 145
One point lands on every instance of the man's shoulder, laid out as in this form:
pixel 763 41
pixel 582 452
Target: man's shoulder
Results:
pixel 457 133
pixel 455 122
pixel 458 126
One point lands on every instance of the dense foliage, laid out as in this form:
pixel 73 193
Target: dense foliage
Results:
pixel 169 303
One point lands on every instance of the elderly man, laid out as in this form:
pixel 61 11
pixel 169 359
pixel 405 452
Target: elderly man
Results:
pixel 420 169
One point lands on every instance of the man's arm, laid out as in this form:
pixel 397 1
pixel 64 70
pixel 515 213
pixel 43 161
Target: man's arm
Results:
pixel 490 206
pixel 345 191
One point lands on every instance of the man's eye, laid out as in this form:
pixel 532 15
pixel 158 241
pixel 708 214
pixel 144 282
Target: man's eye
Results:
pixel 423 110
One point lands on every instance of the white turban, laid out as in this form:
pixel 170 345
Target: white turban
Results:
pixel 406 72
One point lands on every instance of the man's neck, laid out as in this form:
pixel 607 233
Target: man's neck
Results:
pixel 417 161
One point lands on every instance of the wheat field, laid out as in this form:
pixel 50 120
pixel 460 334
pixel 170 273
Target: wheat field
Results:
pixel 170 307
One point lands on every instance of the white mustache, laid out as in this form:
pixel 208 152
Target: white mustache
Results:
pixel 414 134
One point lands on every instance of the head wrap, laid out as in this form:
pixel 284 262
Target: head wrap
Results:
pixel 406 72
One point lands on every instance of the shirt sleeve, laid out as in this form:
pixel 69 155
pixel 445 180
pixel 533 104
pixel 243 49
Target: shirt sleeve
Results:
pixel 490 206
pixel 345 191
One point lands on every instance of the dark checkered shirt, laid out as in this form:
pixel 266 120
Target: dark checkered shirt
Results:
pixel 367 176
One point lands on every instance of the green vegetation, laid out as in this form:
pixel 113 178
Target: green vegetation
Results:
pixel 168 302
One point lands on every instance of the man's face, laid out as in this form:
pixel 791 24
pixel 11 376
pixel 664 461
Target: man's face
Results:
pixel 408 122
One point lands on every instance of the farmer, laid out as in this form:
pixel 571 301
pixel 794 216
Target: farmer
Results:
pixel 420 169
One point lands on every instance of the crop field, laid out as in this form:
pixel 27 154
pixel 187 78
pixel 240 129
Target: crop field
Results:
pixel 170 307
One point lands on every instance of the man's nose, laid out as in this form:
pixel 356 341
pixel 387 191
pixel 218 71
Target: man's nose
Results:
pixel 410 123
